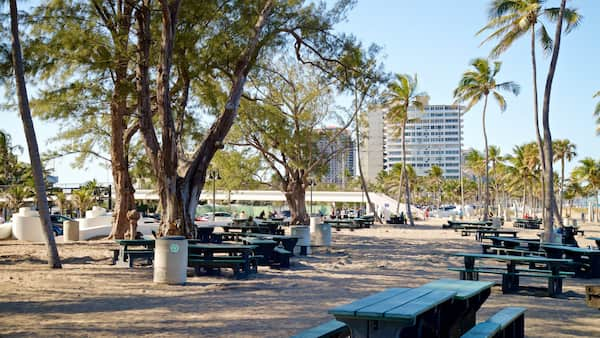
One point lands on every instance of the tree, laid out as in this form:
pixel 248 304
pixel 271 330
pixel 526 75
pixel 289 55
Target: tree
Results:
pixel 234 40
pixel 597 114
pixel 34 155
pixel 549 201
pixel 588 172
pixel 15 196
pixel 286 125
pixel 91 38
pixel 510 20
pixel 475 85
pixel 435 178
pixel 402 94
pixel 563 150
pixel 83 199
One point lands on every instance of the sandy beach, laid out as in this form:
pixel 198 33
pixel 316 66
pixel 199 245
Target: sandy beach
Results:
pixel 91 298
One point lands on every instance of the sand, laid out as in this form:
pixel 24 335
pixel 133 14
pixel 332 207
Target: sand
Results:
pixel 90 298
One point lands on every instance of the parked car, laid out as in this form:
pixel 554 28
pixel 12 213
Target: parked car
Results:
pixel 220 216
pixel 57 223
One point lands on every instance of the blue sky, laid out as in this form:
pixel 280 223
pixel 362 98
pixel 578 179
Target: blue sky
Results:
pixel 436 40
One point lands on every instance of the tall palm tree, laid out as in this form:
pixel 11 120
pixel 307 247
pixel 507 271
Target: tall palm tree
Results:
pixel 475 85
pixel 589 172
pixel 34 154
pixel 402 94
pixel 511 19
pixel 563 150
pixel 495 157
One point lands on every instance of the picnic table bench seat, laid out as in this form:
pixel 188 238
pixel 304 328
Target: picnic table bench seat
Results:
pixel 281 257
pixel 129 256
pixel 508 322
pixel 241 266
pixel 330 329
pixel 518 251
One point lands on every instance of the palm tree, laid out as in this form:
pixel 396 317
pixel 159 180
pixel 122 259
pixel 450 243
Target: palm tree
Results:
pixel 475 85
pixel 34 154
pixel 597 114
pixel 495 157
pixel 83 199
pixel 475 163
pixel 402 94
pixel 435 178
pixel 15 196
pixel 589 172
pixel 563 150
pixel 511 19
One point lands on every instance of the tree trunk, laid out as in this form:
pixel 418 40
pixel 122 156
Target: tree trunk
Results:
pixel 32 145
pixel 405 173
pixel 486 201
pixel 124 199
pixel 548 171
pixel 295 195
pixel 538 137
pixel 363 182
pixel 562 184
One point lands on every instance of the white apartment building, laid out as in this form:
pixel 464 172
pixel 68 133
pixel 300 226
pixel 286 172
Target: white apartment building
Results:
pixel 433 137
pixel 342 164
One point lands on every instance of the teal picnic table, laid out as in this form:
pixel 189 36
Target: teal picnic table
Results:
pixel 344 223
pixel 212 256
pixel 444 308
pixel 131 249
pixel 527 223
pixel 551 270
pixel 482 234
pixel 531 244
pixel 461 224
pixel 587 261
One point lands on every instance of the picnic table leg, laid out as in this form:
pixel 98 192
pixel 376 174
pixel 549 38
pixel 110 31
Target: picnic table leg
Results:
pixel 555 282
pixel 510 280
pixel 469 265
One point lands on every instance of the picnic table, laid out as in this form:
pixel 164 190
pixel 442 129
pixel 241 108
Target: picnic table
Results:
pixel 444 308
pixel 204 232
pixel 527 223
pixel 482 234
pixel 595 239
pixel 587 261
pixel 264 248
pixel 131 249
pixel 530 244
pixel 461 224
pixel 288 242
pixel 344 223
pixel 211 256
pixel 551 270
pixel 241 227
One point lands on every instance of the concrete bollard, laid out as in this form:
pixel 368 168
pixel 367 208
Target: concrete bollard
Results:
pixel 70 231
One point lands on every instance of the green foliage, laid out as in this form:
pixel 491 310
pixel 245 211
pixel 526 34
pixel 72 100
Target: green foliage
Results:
pixel 16 195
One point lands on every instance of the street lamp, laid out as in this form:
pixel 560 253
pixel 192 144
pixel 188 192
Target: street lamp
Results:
pixel 311 182
pixel 213 174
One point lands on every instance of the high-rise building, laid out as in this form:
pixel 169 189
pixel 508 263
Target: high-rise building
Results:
pixel 342 164
pixel 433 137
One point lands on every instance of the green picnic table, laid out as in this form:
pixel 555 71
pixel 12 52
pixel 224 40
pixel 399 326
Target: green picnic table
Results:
pixel 211 256
pixel 125 255
pixel 587 261
pixel 551 270
pixel 444 308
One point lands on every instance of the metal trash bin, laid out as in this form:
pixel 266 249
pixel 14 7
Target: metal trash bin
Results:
pixel 320 233
pixel 303 234
pixel 170 260
pixel 70 231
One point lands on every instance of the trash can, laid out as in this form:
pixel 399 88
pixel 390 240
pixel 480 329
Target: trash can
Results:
pixel 303 233
pixel 496 222
pixel 320 233
pixel 70 231
pixel 170 260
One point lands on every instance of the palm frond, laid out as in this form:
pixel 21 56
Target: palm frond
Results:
pixel 501 101
pixel 545 40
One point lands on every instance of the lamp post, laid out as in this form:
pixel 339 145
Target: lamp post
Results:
pixel 460 173
pixel 311 182
pixel 213 174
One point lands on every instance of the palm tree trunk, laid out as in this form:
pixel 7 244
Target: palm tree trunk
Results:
pixel 399 196
pixel 363 182
pixel 34 154
pixel 562 184
pixel 538 136
pixel 405 174
pixel 486 202
pixel 548 171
